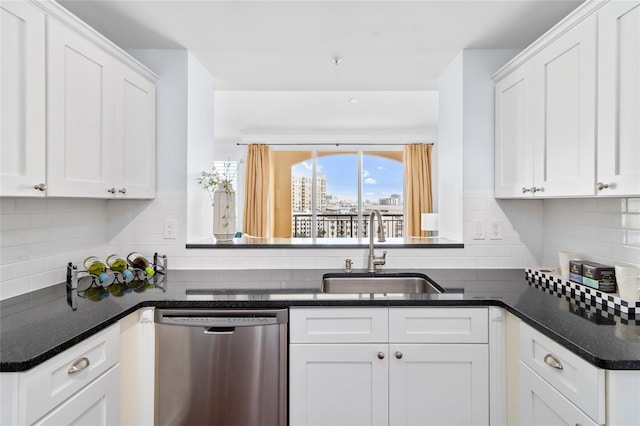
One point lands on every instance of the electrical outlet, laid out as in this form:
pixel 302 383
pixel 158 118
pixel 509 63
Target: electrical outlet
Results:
pixel 170 230
pixel 478 230
pixel 496 231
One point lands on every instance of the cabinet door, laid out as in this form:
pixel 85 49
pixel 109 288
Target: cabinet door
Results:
pixel 80 109
pixel 135 135
pixel 95 405
pixel 542 405
pixel 565 113
pixel 22 48
pixel 619 98
pixel 338 384
pixel 514 133
pixel 438 384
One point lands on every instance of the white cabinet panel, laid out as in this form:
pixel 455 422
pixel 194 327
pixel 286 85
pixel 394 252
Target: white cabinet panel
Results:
pixel 338 384
pixel 438 325
pixel 565 113
pixel 95 405
pixel 438 384
pixel 514 133
pixel 22 95
pixel 542 405
pixel 339 325
pixel 619 98
pixel 80 99
pixel 135 138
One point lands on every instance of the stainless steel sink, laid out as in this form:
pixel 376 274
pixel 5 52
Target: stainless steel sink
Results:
pixel 408 283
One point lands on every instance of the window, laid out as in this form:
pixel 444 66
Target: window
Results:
pixel 329 194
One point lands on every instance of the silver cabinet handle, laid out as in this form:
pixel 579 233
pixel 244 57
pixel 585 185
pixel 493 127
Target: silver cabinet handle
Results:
pixel 40 187
pixel 534 189
pixel 525 190
pixel 399 355
pixel 111 190
pixel 122 190
pixel 602 186
pixel 552 361
pixel 380 355
pixel 79 365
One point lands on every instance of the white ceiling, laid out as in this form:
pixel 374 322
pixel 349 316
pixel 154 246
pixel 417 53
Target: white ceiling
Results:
pixel 392 54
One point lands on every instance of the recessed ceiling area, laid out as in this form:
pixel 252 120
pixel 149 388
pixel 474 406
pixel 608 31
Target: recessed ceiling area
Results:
pixel 274 62
pixel 290 45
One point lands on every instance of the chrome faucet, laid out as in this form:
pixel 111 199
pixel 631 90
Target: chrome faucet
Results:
pixel 373 260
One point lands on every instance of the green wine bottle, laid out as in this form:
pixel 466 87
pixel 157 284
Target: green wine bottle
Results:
pixel 96 267
pixel 118 264
pixel 138 261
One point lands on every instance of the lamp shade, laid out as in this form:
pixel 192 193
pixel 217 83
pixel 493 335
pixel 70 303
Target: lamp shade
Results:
pixel 429 222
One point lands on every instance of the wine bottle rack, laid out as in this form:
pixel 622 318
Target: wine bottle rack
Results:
pixel 82 284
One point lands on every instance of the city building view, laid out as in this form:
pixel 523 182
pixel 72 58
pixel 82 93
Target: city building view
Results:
pixel 337 198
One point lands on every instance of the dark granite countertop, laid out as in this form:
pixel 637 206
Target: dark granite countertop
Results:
pixel 324 243
pixel 36 326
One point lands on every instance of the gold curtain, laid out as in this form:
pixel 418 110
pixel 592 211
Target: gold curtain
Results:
pixel 417 174
pixel 256 199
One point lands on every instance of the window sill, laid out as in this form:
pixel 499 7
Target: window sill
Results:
pixel 321 243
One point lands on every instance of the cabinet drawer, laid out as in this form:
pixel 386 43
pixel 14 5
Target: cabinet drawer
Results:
pixel 49 384
pixel 95 405
pixel 438 325
pixel 541 404
pixel 576 379
pixel 338 325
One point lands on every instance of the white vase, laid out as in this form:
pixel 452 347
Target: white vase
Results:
pixel 224 214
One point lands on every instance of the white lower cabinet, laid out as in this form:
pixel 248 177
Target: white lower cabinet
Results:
pixel 438 384
pixel 338 384
pixel 387 380
pixel 77 386
pixel 96 404
pixel 542 405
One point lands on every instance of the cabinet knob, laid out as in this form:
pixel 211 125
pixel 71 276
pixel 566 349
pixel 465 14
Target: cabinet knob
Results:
pixel 380 355
pixel 122 190
pixel 534 189
pixel 399 355
pixel 525 190
pixel 79 365
pixel 40 187
pixel 111 190
pixel 602 186
pixel 552 361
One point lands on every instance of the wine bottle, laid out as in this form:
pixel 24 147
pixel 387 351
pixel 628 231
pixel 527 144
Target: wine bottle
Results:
pixel 138 261
pixel 96 267
pixel 118 264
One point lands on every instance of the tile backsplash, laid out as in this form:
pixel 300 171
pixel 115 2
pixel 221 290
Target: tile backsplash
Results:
pixel 39 236
pixel 605 230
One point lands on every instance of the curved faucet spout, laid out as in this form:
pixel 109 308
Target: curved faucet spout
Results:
pixel 373 260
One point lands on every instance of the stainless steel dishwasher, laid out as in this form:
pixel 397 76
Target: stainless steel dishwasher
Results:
pixel 221 367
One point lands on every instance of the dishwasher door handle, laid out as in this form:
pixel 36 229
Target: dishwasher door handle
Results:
pixel 219 330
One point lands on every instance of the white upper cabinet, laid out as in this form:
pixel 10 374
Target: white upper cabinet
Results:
pixel 580 116
pixel 80 107
pixel 135 135
pixel 22 47
pixel 565 114
pixel 514 133
pixel 619 99
pixel 78 113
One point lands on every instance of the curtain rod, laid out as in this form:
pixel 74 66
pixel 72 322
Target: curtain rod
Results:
pixel 328 143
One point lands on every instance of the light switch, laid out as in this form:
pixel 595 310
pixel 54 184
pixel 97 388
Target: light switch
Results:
pixel 478 230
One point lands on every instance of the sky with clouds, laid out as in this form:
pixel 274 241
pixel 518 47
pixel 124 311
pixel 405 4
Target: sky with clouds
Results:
pixel 381 176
